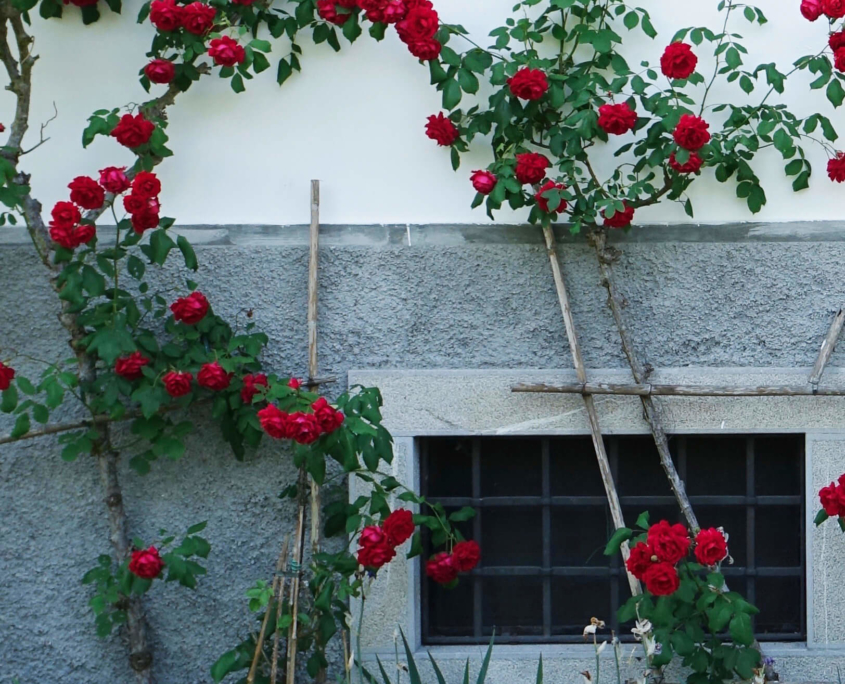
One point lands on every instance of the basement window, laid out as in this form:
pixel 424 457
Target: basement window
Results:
pixel 542 522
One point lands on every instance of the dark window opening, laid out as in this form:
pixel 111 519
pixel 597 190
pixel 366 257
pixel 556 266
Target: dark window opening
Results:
pixel 542 522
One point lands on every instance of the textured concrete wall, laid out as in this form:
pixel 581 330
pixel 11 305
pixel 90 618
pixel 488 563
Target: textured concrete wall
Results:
pixel 473 298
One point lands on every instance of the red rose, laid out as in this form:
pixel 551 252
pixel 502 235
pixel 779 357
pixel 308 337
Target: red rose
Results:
pixel 177 384
pixel 691 132
pixel 426 49
pixel 483 181
pixel 693 164
pixel 395 11
pixel 294 383
pixel 376 555
pixel 86 192
pixel 617 119
pixel 836 168
pixel 226 52
pixel 328 418
pixel 191 309
pixel 144 220
pixel 328 11
pixel 678 61
pixel 7 374
pixel 2 128
pixel 420 23
pixel 839 59
pixel 129 367
pixel 669 542
pixel 249 390
pixel 621 219
pixel 133 131
pixel 71 238
pixel 661 579
pixel 836 40
pixel 304 428
pixel 274 422
pixel 83 234
pixel 134 204
pixel 543 202
pixel 160 71
pixel 531 167
pixel 198 18
pixel 466 555
pixel 214 377
pixel 711 547
pixel 411 4
pixel 166 15
pixel 529 84
pixel 372 5
pixel 372 535
pixel 640 560
pixel 348 4
pixel 81 3
pixel 146 185
pixel 399 526
pixel 441 129
pixel 65 215
pixel 832 500
pixel 114 180
pixel 811 9
pixel 441 568
pixel 834 9
pixel 146 564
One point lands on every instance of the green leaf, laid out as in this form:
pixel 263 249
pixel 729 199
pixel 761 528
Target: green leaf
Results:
pixel 351 29
pixel 468 81
pixel 136 267
pixel 642 520
pixel 187 252
pixel 621 535
pixel 740 629
pixel 10 399
pixel 821 516
pixel 631 20
pixel 40 413
pixel 90 14
pixel 199 527
pixel 159 247
pixel 228 662
pixel 260 63
pixel 262 45
pixel 25 386
pixel 485 664
pixel 835 93
pixel 451 94
pixel 377 30
pixel 21 426
pixel 413 672
pixel 238 83
pixel 284 72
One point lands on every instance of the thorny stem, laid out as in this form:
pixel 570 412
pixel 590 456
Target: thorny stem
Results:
pixel 728 8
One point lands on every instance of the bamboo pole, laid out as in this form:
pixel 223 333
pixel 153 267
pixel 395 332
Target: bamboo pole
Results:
pixel 281 568
pixel 299 543
pixel 589 404
pixel 259 646
pixel 650 408
pixel 655 390
pixel 828 345
pixel 313 271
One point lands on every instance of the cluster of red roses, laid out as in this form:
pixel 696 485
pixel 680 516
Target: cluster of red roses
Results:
pixel 654 561
pixel 377 543
pixel 146 563
pixel 303 428
pixel 832 498
pixel 832 9
pixel 444 567
pixel 7 374
pixel 416 21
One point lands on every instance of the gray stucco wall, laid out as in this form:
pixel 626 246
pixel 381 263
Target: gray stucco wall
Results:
pixel 467 297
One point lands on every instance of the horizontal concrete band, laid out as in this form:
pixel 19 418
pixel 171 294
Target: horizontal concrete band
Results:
pixel 417 235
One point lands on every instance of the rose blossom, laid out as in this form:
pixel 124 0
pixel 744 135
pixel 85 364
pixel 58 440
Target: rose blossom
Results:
pixel 274 422
pixel 640 560
pixel 73 236
pixel 621 219
pixel 226 52
pixel 373 534
pixel 160 71
pixel 65 214
pixel 145 219
pixel 86 192
pixel 617 119
pixel 249 390
pixel 441 129
pixel 376 555
pixel 294 383
pixel 134 204
pixel 114 180
pixel 441 568
pixel 399 526
pixel 832 499
pixel 811 9
pixel 836 40
pixel 146 185
pixel 711 547
pixel 327 10
pixel 678 61
pixel 395 11
pixel 661 579
pixel 328 418
pixel 466 555
pixel 191 309
pixel 693 164
pixel 836 168
pixel 198 18
pixel 543 202
pixel 531 167
pixel 133 131
pixel 483 181
pixel 129 367
pixel 166 15
pixel 425 49
pixel 7 374
pixel 304 428
pixel 177 384
pixel 213 376
pixel 420 23
pixel 839 59
pixel 691 132
pixel 669 542
pixel 146 564
pixel 529 84
pixel 834 9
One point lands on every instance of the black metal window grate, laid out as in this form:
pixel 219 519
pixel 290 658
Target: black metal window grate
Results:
pixel 542 522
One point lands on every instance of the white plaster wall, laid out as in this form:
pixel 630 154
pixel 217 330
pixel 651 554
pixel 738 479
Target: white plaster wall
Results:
pixel 355 120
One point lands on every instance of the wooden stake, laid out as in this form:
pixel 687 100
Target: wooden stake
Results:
pixel 650 409
pixel 313 271
pixel 649 390
pixel 589 404
pixel 827 347
pixel 280 566
pixel 299 543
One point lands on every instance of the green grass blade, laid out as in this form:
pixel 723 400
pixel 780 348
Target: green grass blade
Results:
pixel 482 675
pixel 413 672
pixel 437 672
pixel 466 673
pixel 540 670
pixel 383 673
